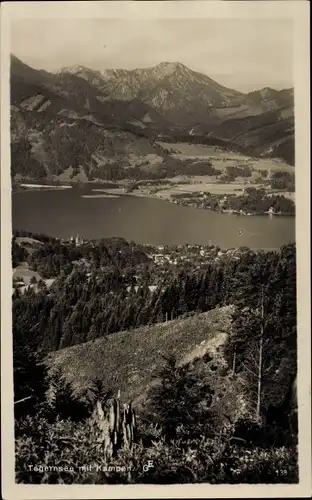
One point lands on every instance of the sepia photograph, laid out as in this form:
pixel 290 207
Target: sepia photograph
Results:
pixel 152 226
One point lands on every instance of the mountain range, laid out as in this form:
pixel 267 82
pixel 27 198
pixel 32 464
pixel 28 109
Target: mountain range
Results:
pixel 87 121
pixel 182 95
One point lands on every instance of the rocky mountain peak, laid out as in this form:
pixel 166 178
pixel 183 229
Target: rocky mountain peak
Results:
pixel 77 68
pixel 172 69
pixel 169 67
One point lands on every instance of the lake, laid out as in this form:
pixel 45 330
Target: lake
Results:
pixel 67 212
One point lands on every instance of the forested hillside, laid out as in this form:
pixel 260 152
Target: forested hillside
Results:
pixel 112 285
pixel 107 128
pixel 227 327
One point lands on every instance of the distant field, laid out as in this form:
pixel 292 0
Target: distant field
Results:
pixel 200 150
pixel 66 176
pixel 272 163
pixel 22 271
pixel 30 243
pixel 146 161
pixel 212 188
pixel 198 188
pixel 223 159
pixel 130 360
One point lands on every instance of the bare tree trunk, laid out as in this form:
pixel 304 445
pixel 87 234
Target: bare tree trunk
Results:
pixel 24 399
pixel 260 357
pixel 234 363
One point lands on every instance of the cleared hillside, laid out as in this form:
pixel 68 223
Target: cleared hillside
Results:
pixel 130 360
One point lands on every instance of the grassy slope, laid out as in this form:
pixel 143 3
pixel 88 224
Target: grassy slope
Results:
pixel 130 360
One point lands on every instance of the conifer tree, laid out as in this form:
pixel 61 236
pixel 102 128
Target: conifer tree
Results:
pixel 177 400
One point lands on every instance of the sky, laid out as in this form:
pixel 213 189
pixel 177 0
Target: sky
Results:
pixel 243 54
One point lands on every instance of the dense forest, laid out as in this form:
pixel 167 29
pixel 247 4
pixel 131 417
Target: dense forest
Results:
pixel 283 180
pixel 105 286
pixel 170 167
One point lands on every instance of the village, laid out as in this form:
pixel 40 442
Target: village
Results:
pixel 162 257
pixel 198 255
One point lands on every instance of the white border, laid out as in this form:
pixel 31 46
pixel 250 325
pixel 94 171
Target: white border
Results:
pixel 299 12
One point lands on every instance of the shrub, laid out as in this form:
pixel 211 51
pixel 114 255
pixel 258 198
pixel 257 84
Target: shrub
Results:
pixel 262 465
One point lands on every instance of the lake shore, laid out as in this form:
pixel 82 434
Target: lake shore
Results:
pixel 166 195
pixel 43 187
pixel 104 195
pixel 186 191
